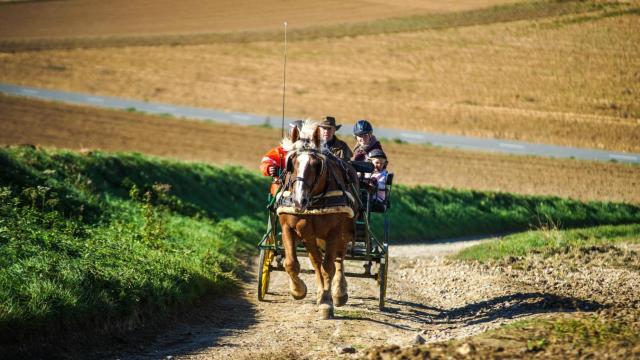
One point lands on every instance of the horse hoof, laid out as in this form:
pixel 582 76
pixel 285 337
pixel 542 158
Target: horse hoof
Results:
pixel 340 300
pixel 325 312
pixel 300 295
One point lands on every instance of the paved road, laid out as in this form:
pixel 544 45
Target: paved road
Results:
pixel 416 137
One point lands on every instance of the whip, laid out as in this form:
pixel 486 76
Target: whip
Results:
pixel 284 76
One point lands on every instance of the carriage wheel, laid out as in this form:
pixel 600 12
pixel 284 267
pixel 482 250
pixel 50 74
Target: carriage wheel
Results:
pixel 382 276
pixel 264 272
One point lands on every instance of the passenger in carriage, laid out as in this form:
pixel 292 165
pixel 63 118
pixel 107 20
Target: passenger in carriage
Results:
pixel 367 142
pixel 336 146
pixel 274 160
pixel 378 178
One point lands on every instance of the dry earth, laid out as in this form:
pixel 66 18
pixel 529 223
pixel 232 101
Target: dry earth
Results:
pixel 428 296
pixel 25 121
pixel 126 17
pixel 568 80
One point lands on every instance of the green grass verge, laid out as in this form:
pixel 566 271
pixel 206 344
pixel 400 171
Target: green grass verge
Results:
pixel 425 213
pixel 550 241
pixel 525 10
pixel 98 238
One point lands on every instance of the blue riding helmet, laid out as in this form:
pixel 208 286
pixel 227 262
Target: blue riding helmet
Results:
pixel 362 127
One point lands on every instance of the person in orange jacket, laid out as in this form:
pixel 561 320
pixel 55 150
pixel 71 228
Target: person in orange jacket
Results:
pixel 274 159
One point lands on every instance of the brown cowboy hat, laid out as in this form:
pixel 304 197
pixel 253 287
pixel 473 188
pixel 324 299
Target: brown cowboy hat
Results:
pixel 329 121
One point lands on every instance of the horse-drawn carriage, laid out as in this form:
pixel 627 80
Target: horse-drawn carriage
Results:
pixel 363 247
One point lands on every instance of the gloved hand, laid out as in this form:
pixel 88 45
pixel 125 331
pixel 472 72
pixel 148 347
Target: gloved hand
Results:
pixel 372 185
pixel 273 170
pixel 360 155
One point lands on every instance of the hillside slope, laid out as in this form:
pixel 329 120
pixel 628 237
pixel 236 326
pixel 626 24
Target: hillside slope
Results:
pixel 100 241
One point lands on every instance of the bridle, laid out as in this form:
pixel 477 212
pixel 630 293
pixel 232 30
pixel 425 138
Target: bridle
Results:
pixel 323 169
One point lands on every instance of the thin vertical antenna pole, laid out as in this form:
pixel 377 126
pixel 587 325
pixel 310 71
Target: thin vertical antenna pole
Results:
pixel 284 76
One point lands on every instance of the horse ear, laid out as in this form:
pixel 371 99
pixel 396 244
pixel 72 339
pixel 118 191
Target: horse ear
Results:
pixel 289 164
pixel 316 138
pixel 295 134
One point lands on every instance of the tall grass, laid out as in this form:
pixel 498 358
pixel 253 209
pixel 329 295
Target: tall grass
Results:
pixel 102 238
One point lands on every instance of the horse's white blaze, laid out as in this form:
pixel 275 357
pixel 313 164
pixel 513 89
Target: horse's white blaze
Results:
pixel 299 193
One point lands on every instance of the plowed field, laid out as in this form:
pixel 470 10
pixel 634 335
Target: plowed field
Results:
pixel 521 72
pixel 46 19
pixel 51 124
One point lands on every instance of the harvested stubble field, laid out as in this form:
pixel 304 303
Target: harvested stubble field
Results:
pixel 551 72
pixel 52 124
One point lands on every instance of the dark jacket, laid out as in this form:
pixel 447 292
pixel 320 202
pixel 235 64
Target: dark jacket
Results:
pixel 339 148
pixel 360 153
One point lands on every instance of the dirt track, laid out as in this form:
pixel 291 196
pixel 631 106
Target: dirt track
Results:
pixel 427 296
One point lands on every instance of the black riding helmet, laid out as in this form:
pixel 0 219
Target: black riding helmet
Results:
pixel 362 127
pixel 377 153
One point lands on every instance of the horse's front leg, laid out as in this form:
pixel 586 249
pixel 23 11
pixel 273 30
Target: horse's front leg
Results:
pixel 291 264
pixel 328 271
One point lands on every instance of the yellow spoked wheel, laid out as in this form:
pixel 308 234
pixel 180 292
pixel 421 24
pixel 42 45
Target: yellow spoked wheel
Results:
pixel 264 272
pixel 382 276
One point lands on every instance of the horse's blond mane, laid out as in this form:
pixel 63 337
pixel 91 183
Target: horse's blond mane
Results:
pixel 308 128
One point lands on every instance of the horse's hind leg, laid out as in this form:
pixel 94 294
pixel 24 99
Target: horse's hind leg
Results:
pixel 291 265
pixel 339 286
pixel 316 260
pixel 339 291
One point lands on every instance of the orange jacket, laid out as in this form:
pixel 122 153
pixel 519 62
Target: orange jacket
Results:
pixel 275 156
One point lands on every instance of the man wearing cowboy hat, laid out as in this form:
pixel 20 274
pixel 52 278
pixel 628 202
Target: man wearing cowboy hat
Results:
pixel 337 147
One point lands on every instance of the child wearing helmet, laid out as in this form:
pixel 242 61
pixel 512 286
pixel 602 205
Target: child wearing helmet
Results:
pixel 378 178
pixel 363 131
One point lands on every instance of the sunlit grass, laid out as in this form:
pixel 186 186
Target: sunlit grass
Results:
pixel 550 240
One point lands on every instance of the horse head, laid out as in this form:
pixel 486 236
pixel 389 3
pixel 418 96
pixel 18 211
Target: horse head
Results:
pixel 306 166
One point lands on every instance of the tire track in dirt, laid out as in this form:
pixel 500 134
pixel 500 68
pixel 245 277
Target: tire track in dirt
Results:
pixel 427 295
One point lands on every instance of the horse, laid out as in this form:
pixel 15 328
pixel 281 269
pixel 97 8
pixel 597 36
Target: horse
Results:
pixel 313 177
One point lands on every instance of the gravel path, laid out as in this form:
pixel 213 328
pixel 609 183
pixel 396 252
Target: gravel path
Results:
pixel 429 299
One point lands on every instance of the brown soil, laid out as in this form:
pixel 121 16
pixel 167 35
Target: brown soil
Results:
pixel 52 124
pixel 530 342
pixel 136 17
pixel 588 279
